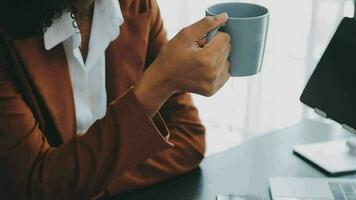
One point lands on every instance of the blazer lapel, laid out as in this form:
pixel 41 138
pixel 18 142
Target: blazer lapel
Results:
pixel 49 73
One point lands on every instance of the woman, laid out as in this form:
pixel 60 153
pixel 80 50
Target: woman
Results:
pixel 87 108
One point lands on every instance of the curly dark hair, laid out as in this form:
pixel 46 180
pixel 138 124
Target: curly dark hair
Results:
pixel 32 16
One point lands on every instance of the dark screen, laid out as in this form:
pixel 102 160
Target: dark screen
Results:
pixel 332 86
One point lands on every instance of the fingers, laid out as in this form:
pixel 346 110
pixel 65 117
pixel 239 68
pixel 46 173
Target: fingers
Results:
pixel 224 55
pixel 218 49
pixel 218 44
pixel 226 74
pixel 195 31
pixel 202 42
pixel 222 77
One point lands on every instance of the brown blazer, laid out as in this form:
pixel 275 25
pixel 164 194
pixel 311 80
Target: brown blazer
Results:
pixel 124 150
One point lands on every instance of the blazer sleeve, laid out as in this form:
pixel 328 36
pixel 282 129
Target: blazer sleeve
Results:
pixel 187 132
pixel 31 169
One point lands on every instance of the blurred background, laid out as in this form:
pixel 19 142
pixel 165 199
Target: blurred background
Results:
pixel 298 34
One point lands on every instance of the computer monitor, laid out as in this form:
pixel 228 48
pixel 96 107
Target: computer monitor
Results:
pixel 331 90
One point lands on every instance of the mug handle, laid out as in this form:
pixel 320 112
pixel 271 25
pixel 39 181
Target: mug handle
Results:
pixel 212 33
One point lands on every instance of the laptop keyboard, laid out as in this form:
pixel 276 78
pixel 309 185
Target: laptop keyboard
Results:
pixel 343 191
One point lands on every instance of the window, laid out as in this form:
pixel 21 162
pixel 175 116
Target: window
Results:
pixel 246 107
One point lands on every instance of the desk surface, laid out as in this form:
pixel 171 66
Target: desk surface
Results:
pixel 246 168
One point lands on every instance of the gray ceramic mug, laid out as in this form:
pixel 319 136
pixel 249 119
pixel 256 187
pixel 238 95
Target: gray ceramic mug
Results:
pixel 247 26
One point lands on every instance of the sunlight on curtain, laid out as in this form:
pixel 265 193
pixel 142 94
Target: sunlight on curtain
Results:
pixel 246 107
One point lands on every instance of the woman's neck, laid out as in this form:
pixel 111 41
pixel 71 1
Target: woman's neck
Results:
pixel 84 21
pixel 85 10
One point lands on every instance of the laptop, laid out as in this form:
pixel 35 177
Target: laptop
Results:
pixel 331 92
pixel 312 188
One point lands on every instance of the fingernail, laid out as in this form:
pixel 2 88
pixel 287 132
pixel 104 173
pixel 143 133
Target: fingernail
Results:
pixel 222 16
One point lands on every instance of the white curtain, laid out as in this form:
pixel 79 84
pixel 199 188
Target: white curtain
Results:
pixel 246 107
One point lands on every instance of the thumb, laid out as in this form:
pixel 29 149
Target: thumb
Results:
pixel 195 31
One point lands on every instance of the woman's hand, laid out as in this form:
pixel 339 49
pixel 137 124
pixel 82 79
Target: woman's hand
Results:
pixel 184 66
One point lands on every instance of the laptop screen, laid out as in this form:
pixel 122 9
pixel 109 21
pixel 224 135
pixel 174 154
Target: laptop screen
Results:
pixel 332 86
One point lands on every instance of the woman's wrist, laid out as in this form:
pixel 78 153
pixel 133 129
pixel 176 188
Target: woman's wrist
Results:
pixel 153 90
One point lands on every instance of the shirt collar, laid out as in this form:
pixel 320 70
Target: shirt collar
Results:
pixel 106 21
pixel 60 30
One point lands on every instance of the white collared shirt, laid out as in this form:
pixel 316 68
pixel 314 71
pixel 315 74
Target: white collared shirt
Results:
pixel 88 78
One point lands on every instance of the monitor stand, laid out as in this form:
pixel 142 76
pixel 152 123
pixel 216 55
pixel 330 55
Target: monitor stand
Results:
pixel 351 143
pixel 334 157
